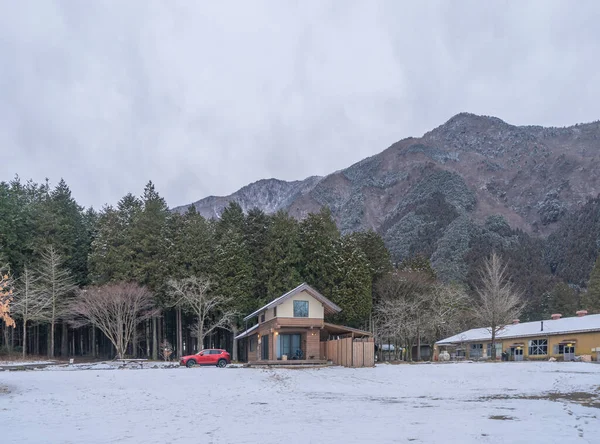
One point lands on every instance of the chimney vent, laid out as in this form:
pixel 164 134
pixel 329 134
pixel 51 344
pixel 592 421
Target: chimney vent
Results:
pixel 515 321
pixel 556 316
pixel 581 313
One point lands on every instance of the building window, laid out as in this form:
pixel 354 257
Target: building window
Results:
pixel 274 312
pixel 262 317
pixel 300 309
pixel 252 344
pixel 538 347
pixel 498 350
pixel 476 351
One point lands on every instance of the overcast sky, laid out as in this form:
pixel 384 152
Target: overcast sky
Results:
pixel 203 97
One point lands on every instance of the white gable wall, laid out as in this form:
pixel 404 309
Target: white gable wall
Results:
pixel 286 309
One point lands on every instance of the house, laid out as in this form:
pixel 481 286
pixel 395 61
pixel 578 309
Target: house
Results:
pixel 558 337
pixel 293 328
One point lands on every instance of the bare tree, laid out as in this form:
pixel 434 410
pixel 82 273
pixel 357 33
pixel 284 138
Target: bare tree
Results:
pixel 445 307
pixel 29 303
pixel 414 307
pixel 397 315
pixel 211 310
pixel 166 350
pixel 56 284
pixel 498 303
pixel 6 297
pixel 116 309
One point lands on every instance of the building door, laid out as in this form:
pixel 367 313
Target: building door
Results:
pixel 289 345
pixel 517 353
pixel 264 348
pixel 569 353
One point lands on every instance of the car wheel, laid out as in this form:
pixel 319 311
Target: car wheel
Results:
pixel 191 363
pixel 222 363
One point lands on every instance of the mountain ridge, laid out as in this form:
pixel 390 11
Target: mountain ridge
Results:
pixel 473 167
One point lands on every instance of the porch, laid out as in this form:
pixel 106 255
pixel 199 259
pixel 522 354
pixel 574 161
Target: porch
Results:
pixel 289 363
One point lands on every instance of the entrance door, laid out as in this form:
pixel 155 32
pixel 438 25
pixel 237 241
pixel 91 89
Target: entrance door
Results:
pixel 569 353
pixel 517 353
pixel 264 348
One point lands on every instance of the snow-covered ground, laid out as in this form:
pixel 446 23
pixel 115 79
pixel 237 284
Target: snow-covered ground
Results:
pixel 524 402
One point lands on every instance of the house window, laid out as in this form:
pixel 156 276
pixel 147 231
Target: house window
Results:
pixel 476 351
pixel 538 347
pixel 274 312
pixel 262 317
pixel 498 350
pixel 253 344
pixel 300 309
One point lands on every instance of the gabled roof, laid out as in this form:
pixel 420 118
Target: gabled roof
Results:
pixel 330 307
pixel 583 324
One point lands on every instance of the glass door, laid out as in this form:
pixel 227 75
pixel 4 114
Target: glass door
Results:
pixel 289 345
pixel 517 353
pixel 569 353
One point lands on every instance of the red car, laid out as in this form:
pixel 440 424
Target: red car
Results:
pixel 211 356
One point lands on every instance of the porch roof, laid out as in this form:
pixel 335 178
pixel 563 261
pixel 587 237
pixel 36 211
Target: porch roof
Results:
pixel 342 330
pixel 247 332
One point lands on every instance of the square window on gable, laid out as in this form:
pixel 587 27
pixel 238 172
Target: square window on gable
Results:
pixel 300 309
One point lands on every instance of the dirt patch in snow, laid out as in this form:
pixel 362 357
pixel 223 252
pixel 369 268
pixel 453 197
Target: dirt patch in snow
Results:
pixel 586 399
pixel 502 418
pixel 4 390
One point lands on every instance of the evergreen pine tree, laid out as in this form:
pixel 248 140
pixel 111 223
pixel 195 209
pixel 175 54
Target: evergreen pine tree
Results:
pixel 591 299
pixel 256 236
pixel 318 236
pixel 233 272
pixel 563 299
pixel 283 256
pixel 352 285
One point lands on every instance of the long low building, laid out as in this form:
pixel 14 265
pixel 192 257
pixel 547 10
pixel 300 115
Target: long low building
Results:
pixel 558 337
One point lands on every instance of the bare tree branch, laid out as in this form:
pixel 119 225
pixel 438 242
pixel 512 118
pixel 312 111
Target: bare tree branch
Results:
pixel 116 309
pixel 211 310
pixel 498 303
pixel 30 303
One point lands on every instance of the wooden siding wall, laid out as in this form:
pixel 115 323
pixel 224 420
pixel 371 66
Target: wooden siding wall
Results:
pixel 349 352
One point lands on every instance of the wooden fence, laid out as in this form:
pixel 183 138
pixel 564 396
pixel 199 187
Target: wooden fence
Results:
pixel 349 352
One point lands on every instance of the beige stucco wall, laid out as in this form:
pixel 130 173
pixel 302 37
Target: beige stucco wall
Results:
pixel 286 310
pixel 584 344
pixel 269 314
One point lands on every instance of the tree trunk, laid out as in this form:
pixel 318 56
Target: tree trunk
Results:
pixel 51 340
pixel 147 324
pixel 36 340
pixel 200 336
pixel 24 338
pixel 493 346
pixel 94 345
pixel 6 338
pixel 418 345
pixel 134 342
pixel 179 333
pixel 154 339
pixel 234 330
pixel 64 341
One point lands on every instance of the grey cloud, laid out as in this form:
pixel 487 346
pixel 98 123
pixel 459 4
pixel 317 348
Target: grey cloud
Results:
pixel 205 97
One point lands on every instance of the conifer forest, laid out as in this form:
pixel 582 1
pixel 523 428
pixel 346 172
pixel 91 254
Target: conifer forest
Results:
pixel 192 280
